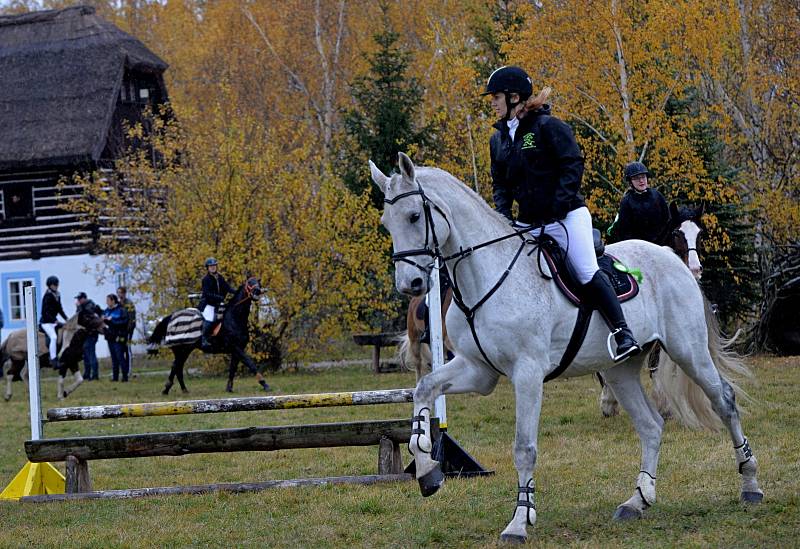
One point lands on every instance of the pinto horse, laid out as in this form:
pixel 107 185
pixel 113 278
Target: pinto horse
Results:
pixel 510 321
pixel 231 339
pixel 70 352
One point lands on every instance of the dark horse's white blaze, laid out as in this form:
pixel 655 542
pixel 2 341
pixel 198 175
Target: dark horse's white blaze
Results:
pixel 524 327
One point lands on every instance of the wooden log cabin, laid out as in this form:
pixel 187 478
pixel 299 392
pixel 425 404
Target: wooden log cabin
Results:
pixel 69 81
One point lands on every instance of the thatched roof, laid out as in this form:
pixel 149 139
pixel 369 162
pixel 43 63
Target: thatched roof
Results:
pixel 60 76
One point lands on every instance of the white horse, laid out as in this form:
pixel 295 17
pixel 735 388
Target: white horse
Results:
pixel 521 330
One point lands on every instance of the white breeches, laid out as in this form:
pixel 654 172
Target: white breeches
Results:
pixel 209 314
pixel 577 240
pixel 50 330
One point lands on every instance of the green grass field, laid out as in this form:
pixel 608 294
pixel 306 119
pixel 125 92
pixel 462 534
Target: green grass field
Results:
pixel 587 466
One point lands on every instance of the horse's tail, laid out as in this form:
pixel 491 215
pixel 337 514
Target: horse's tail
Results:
pixel 687 401
pixel 160 331
pixel 413 356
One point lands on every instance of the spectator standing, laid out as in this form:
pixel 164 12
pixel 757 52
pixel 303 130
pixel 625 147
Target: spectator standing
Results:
pixel 51 309
pixel 116 318
pixel 130 308
pixel 85 306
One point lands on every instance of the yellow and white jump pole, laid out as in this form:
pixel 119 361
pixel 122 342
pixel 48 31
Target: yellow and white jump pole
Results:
pixel 34 479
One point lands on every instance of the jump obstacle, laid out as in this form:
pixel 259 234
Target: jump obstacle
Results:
pixel 386 434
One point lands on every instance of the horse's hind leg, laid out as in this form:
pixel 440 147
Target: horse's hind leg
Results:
pixel 723 402
pixel 173 370
pixel 457 376
pixel 627 385
pixel 180 361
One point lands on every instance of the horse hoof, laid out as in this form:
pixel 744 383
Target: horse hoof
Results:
pixel 184 390
pixel 6 397
pixel 752 497
pixel 625 512
pixel 513 538
pixel 266 387
pixel 167 387
pixel 430 483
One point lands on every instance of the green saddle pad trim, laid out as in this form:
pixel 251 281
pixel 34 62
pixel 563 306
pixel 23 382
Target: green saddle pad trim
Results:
pixel 635 273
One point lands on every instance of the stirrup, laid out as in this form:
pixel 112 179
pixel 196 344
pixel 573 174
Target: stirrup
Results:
pixel 617 358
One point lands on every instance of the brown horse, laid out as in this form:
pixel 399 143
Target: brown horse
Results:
pixel 414 354
pixel 70 352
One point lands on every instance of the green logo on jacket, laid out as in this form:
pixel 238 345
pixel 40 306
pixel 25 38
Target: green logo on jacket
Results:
pixel 529 141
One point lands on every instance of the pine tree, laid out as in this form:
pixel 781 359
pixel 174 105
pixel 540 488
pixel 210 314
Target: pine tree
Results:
pixel 383 122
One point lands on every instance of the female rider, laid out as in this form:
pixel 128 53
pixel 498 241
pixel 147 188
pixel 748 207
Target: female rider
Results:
pixel 536 162
pixel 643 212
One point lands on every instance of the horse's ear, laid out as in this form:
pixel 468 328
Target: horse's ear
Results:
pixel 406 166
pixel 674 213
pixel 378 177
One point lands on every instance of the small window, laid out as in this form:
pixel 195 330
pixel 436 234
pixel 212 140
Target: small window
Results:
pixel 144 94
pixel 16 298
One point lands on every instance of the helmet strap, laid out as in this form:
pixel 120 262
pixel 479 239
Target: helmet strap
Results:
pixel 509 106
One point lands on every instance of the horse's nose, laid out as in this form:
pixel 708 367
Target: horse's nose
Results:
pixel 697 272
pixel 416 285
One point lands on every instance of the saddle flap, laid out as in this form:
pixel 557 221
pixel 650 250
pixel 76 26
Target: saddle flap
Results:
pixel 625 285
pixel 216 329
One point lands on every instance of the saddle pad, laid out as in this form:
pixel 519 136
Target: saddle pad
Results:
pixel 624 284
pixel 185 328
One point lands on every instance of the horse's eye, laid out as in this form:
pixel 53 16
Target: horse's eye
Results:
pixel 413 218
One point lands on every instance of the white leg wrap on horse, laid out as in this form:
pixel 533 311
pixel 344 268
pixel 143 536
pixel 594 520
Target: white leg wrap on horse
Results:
pixel 421 443
pixel 646 485
pixel 747 466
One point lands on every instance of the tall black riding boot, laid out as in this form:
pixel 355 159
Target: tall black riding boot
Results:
pixel 205 343
pixel 600 290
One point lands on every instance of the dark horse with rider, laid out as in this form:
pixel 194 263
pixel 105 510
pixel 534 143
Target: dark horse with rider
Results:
pixel 216 327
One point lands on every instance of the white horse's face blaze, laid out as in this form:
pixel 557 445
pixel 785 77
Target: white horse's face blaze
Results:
pixel 692 232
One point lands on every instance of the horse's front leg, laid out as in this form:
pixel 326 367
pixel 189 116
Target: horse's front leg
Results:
pixel 457 376
pixel 528 380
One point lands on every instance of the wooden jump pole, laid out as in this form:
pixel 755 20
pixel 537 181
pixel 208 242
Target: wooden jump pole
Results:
pixel 215 406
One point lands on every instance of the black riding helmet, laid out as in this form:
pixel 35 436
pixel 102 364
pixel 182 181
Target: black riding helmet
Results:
pixel 509 80
pixel 635 168
pixel 51 281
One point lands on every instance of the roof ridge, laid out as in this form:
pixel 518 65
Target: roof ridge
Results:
pixel 45 15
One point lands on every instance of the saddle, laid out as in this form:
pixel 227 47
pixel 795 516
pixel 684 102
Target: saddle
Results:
pixel 625 286
pixel 624 283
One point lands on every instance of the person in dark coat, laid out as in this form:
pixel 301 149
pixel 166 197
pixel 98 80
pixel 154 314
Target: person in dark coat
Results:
pixel 215 289
pixel 536 162
pixel 116 318
pixel 643 211
pixel 130 307
pixel 51 309
pixel 85 307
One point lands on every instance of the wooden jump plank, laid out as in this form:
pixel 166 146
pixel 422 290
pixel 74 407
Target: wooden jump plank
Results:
pixel 214 406
pixel 361 433
pixel 228 487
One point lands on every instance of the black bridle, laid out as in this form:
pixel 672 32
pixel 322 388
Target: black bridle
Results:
pixel 436 256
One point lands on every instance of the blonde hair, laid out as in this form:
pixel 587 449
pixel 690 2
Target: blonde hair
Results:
pixel 536 102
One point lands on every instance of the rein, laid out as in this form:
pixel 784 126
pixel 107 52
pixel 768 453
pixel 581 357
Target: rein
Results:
pixel 438 257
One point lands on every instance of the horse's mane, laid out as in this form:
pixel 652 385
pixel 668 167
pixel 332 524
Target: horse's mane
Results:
pixel 431 178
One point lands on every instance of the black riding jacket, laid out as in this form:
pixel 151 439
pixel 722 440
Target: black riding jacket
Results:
pixel 644 216
pixel 215 288
pixel 51 307
pixel 541 169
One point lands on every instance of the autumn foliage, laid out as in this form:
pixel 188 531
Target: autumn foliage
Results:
pixel 705 92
